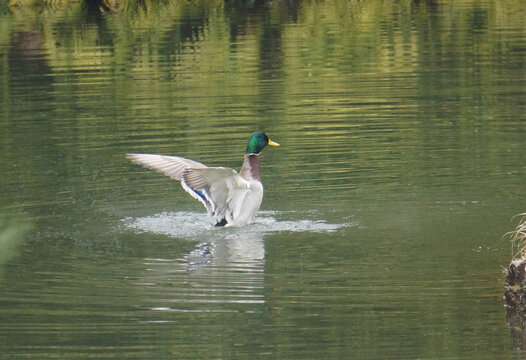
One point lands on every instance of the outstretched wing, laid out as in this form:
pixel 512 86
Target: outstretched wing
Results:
pixel 220 189
pixel 172 166
pixel 223 192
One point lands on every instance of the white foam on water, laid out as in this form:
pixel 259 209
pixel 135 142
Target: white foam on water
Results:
pixel 194 225
pixel 181 224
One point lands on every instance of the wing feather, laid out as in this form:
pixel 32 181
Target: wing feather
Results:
pixel 172 166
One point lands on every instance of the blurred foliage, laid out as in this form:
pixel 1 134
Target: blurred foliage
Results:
pixel 13 225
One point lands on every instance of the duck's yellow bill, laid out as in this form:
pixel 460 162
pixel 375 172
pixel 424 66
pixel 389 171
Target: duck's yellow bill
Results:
pixel 272 143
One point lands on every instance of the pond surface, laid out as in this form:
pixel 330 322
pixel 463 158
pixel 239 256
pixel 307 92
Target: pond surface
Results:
pixel 402 162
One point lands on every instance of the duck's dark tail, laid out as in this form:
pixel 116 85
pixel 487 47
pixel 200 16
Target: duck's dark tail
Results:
pixel 223 222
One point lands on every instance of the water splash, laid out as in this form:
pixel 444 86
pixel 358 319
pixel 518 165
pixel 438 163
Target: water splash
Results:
pixel 196 226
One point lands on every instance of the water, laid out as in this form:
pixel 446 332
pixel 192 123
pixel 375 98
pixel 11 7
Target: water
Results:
pixel 401 165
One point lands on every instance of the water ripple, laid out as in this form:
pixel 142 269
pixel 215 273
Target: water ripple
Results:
pixel 225 272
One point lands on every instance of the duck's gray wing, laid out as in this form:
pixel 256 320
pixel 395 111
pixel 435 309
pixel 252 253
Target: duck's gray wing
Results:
pixel 172 166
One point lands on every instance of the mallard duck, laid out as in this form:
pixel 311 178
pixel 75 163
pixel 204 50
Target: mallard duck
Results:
pixel 231 198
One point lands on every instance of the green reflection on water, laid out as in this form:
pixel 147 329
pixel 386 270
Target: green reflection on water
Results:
pixel 404 119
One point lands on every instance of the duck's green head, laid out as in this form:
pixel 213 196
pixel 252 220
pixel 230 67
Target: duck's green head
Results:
pixel 258 141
